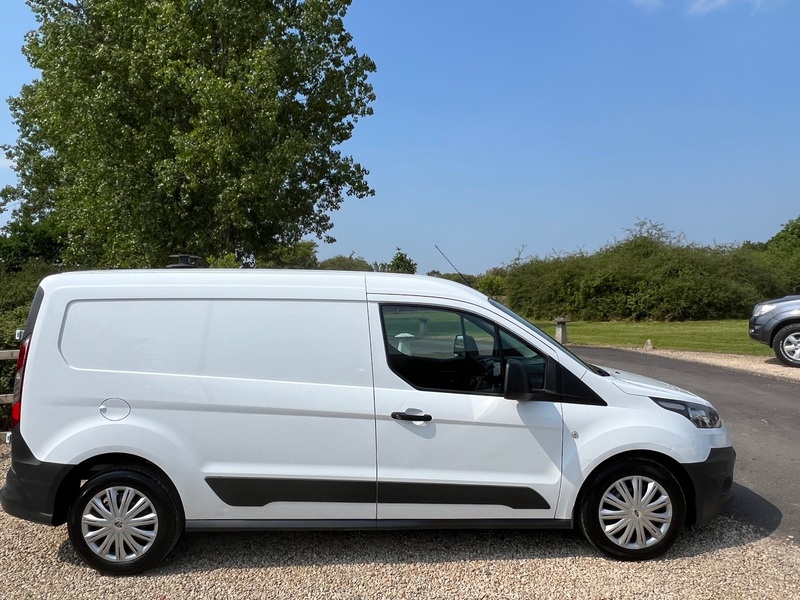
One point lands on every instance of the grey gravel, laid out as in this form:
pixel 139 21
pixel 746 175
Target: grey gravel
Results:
pixel 724 559
pixel 759 365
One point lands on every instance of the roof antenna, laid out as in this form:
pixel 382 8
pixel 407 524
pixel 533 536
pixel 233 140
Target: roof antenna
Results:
pixel 452 265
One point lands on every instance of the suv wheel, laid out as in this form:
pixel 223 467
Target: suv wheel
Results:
pixel 787 345
pixel 124 521
pixel 632 509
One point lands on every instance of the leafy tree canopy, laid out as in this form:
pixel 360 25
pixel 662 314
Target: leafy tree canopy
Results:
pixel 340 262
pixel 788 238
pixel 302 255
pixel 784 250
pixel 400 263
pixel 200 126
pixel 23 240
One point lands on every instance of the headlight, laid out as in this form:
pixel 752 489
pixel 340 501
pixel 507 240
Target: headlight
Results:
pixel 703 417
pixel 762 309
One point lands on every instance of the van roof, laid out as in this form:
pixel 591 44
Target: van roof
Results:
pixel 374 283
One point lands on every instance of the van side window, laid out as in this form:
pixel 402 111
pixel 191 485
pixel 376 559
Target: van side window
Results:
pixel 448 350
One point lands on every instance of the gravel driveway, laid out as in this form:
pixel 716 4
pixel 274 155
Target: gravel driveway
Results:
pixel 760 365
pixel 725 559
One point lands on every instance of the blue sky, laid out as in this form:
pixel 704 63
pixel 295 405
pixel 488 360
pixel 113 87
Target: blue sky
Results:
pixel 556 125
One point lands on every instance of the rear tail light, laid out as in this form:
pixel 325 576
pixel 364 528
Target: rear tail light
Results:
pixel 19 375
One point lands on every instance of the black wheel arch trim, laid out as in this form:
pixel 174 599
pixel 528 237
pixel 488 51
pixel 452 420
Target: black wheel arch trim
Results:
pixel 707 485
pixel 712 482
pixel 31 491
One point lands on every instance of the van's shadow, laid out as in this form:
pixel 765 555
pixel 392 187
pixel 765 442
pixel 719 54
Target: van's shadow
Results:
pixel 749 518
pixel 750 508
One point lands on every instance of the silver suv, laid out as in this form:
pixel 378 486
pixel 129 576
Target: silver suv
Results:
pixel 776 323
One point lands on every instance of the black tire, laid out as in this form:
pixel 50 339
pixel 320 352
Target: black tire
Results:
pixel 145 523
pixel 639 526
pixel 787 345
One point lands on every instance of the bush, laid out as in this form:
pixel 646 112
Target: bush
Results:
pixel 340 262
pixel 546 288
pixel 16 292
pixel 10 321
pixel 17 287
pixel 651 274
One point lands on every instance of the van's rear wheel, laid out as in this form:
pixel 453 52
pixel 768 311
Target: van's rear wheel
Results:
pixel 124 521
pixel 632 509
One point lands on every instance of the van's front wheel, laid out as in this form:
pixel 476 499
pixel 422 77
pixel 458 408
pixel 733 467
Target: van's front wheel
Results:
pixel 632 509
pixel 124 521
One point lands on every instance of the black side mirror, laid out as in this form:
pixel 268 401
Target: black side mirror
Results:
pixel 518 382
pixel 517 385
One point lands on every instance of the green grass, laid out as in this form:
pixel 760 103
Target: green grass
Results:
pixel 728 337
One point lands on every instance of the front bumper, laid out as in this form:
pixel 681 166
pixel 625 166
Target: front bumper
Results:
pixel 757 329
pixel 32 486
pixel 713 481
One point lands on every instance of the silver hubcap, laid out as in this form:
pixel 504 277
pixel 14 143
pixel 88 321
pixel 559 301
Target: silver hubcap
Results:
pixel 635 512
pixel 791 346
pixel 119 524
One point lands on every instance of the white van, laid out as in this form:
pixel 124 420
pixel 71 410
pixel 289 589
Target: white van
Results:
pixel 149 403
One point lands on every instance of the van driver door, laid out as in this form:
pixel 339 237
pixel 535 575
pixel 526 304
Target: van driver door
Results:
pixel 449 445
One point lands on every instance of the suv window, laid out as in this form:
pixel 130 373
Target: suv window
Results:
pixel 448 350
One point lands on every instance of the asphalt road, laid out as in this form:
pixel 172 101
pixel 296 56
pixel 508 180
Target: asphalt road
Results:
pixel 763 417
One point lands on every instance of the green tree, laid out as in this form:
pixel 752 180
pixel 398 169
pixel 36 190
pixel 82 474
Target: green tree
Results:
pixel 340 262
pixel 783 250
pixel 23 240
pixel 208 127
pixel 400 263
pixel 787 237
pixel 492 284
pixel 302 255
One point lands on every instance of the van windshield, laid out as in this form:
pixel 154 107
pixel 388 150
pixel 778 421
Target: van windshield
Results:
pixel 534 328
